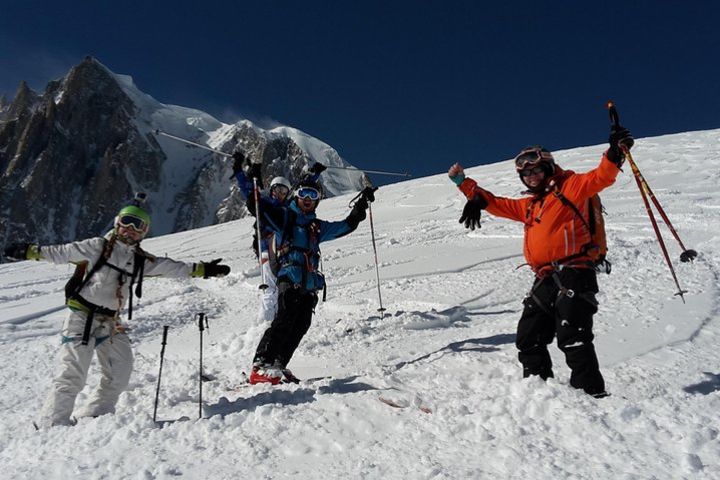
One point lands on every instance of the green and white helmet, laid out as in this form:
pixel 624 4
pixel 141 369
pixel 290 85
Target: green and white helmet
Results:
pixel 134 216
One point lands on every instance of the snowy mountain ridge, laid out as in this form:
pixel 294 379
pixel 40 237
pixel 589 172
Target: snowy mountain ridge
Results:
pixel 88 143
pixel 443 354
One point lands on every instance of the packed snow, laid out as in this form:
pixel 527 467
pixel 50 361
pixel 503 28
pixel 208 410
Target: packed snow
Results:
pixel 430 390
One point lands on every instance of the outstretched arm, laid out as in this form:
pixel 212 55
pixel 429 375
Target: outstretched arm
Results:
pixel 167 267
pixel 513 209
pixel 582 186
pixel 244 171
pixel 332 230
pixel 74 252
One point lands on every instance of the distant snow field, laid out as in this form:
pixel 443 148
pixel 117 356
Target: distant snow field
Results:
pixel 442 359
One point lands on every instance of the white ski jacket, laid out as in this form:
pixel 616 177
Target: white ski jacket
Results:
pixel 102 288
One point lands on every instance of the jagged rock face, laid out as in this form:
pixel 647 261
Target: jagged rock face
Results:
pixel 67 158
pixel 73 156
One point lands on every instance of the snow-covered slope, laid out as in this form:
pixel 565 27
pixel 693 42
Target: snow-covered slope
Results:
pixel 444 352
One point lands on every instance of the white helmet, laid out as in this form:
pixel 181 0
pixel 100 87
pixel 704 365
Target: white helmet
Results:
pixel 280 181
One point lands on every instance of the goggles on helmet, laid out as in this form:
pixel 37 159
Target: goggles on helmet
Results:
pixel 308 192
pixel 131 221
pixel 532 156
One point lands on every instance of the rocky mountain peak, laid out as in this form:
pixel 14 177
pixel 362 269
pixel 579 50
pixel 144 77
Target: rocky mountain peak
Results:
pixel 73 156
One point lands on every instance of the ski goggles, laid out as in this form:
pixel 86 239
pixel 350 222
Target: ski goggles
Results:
pixel 531 156
pixel 308 192
pixel 131 221
pixel 279 189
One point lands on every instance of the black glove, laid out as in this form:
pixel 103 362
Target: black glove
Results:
pixel 472 211
pixel 17 251
pixel 357 214
pixel 619 137
pixel 215 269
pixel 318 168
pixel 361 205
pixel 239 163
pixel 254 171
pixel 368 193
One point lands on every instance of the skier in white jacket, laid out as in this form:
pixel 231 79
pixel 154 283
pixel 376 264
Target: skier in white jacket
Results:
pixel 117 263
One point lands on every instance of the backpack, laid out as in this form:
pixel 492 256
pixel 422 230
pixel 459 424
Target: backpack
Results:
pixel 75 282
pixel 596 248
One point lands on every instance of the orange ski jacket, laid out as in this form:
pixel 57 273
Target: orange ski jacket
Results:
pixel 553 231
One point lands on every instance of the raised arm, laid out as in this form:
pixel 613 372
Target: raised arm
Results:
pixel 513 209
pixel 333 230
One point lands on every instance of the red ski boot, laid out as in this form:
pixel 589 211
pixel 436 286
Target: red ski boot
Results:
pixel 265 374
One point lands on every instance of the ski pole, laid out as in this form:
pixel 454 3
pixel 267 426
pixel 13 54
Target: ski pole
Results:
pixel 377 268
pixel 687 255
pixel 658 234
pixel 644 189
pixel 256 193
pixel 162 356
pixel 202 324
pixel 372 236
pixel 225 154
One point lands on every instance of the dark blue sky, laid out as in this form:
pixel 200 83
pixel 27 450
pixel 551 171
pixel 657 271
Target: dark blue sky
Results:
pixel 403 85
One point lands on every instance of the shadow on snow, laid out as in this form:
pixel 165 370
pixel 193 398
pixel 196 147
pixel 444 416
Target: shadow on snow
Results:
pixel 712 384
pixel 278 395
pixel 469 345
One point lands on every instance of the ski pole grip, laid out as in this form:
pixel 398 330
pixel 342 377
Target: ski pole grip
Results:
pixel 201 321
pixel 614 117
pixel 165 330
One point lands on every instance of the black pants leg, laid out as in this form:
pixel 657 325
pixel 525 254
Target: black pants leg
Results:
pixel 574 322
pixel 291 323
pixel 569 315
pixel 535 331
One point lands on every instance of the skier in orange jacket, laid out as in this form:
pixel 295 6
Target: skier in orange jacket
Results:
pixel 559 249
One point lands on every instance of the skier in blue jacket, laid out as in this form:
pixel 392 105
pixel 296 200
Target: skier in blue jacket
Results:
pixel 298 236
pixel 244 170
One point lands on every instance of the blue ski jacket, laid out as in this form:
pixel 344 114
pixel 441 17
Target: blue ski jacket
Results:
pixel 246 186
pixel 299 236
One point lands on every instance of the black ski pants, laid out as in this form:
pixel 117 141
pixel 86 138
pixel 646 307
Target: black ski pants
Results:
pixel 562 305
pixel 291 323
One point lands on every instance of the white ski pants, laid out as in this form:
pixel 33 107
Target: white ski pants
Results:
pixel 116 362
pixel 268 302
